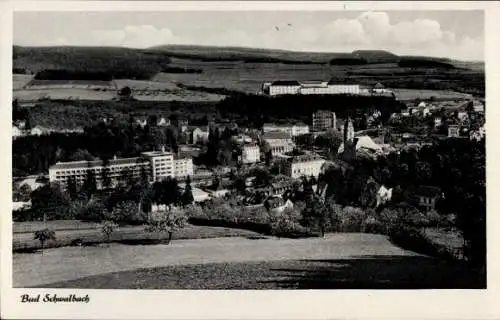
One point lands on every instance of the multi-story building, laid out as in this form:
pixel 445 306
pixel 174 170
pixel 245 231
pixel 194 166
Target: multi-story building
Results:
pixel 292 129
pixel 183 167
pixel 282 87
pixel 157 165
pixel 279 142
pixel 334 88
pixel 453 131
pixel 324 120
pixel 304 165
pixel 250 153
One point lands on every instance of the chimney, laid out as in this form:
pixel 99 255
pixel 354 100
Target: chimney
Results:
pixel 162 148
pixel 114 157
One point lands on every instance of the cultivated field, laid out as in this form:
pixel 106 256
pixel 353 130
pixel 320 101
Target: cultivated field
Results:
pixel 20 80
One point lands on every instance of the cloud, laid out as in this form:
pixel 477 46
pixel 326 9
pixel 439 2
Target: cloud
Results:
pixel 369 30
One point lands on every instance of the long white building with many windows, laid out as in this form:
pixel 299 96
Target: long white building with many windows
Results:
pixel 157 165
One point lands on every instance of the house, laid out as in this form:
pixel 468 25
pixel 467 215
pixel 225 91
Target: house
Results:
pixel 141 122
pixel 379 88
pixel 17 132
pixel 250 153
pixel 277 204
pixel 304 165
pixel 426 197
pixel 384 195
pixel 437 121
pixel 200 135
pixel 462 116
pixel 453 131
pixel 279 142
pixel 162 122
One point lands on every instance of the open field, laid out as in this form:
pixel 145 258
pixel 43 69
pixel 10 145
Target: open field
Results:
pixel 20 80
pixel 245 69
pixel 413 94
pixel 338 261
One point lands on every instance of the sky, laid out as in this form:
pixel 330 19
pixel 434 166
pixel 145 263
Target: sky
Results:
pixel 451 34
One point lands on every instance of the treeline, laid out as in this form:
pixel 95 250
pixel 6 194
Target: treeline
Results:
pixel 181 70
pixel 121 63
pixel 62 74
pixel 348 61
pixel 257 110
pixel 77 114
pixel 35 154
pixel 424 63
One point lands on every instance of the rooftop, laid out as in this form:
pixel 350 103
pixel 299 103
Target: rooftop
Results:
pixel 276 135
pixel 285 83
pixel 94 164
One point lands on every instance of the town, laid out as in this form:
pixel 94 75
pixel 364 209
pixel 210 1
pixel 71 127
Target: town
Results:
pixel 170 166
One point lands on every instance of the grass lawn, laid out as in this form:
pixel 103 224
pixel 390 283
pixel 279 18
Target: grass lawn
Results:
pixel 371 272
pixel 67 232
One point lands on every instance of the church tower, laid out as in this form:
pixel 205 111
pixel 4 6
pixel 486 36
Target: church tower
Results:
pixel 349 141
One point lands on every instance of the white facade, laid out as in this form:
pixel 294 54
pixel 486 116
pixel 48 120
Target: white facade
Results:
pixel 183 167
pixel 158 164
pixel 293 130
pixel 16 132
pixel 344 88
pixel 250 154
pixel 304 166
pixel 275 90
pixel 323 120
pixel 200 135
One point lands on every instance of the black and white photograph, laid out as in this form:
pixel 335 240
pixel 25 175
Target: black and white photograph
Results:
pixel 202 150
pixel 265 149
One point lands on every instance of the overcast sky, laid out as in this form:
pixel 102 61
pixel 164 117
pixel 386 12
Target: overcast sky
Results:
pixel 454 34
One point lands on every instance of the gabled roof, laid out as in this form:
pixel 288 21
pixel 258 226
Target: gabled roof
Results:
pixel 379 86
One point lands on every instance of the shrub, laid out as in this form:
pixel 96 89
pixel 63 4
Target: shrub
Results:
pixel 167 221
pixel 351 219
pixel 108 227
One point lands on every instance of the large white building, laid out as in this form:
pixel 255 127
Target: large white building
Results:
pixel 250 153
pixel 158 165
pixel 279 142
pixel 304 165
pixel 292 129
pixel 309 87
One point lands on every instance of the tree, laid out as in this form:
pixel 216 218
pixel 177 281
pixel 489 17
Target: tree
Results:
pixel 23 193
pixel 282 223
pixel 107 228
pixel 90 184
pixel 44 235
pixel 126 212
pixel 316 215
pixel 125 92
pixel 72 188
pixel 49 202
pixel 187 196
pixel 106 179
pixel 167 221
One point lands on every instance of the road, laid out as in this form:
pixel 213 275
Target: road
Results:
pixel 68 263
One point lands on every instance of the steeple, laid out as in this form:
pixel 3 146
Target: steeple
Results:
pixel 348 131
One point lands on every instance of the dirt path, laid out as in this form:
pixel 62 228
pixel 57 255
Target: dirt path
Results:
pixel 69 263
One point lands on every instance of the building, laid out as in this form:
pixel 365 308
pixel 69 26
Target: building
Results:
pixel 437 121
pixel 380 89
pixel 162 122
pixel 250 153
pixel 304 165
pixel 453 131
pixel 17 132
pixel 200 135
pixel 348 147
pixel 157 165
pixel 343 88
pixel 282 88
pixel 292 129
pixel 426 197
pixel 324 120
pixel 279 142
pixel 183 167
